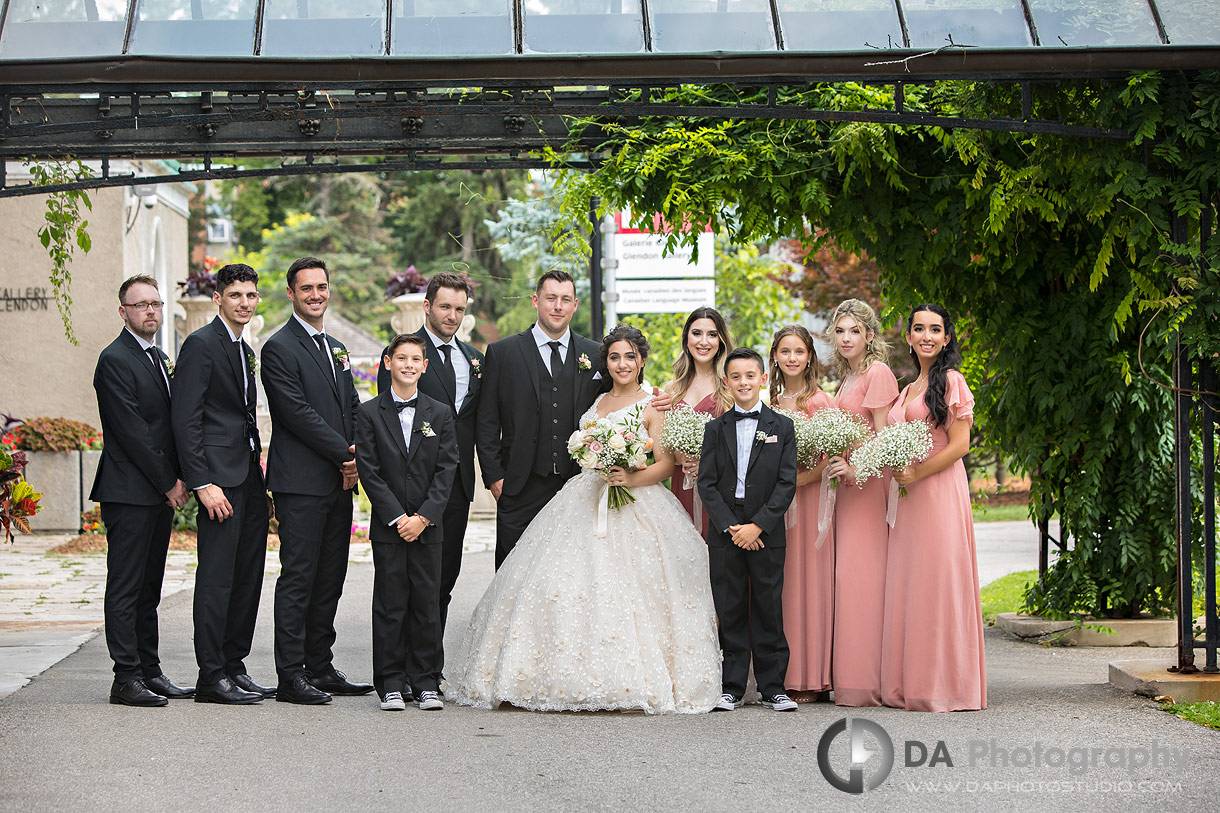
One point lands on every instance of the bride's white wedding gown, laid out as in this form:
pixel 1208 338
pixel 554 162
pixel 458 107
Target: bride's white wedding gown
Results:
pixel 576 621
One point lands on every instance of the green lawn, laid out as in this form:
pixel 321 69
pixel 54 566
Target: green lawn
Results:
pixel 1005 594
pixel 1206 713
pixel 999 513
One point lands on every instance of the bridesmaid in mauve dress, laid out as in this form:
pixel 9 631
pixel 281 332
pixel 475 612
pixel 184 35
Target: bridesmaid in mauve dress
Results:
pixel 808 598
pixel 932 642
pixel 869 389
pixel 699 382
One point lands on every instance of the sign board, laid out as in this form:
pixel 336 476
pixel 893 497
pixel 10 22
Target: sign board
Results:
pixel 664 295
pixel 641 254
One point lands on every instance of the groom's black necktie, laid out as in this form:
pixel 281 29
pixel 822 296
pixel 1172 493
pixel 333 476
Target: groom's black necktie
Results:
pixel 320 340
pixel 448 376
pixel 556 360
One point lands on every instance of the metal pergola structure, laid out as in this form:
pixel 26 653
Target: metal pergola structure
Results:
pixel 468 84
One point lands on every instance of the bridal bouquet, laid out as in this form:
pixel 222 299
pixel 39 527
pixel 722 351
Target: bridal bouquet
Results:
pixel 828 432
pixel 683 433
pixel 602 444
pixel 896 446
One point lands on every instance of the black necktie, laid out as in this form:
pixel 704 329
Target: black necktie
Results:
pixel 320 340
pixel 401 405
pixel 448 376
pixel 556 359
pixel 155 358
pixel 741 416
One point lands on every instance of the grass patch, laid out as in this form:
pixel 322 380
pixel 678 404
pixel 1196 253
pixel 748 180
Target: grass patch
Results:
pixel 999 513
pixel 1005 594
pixel 1206 713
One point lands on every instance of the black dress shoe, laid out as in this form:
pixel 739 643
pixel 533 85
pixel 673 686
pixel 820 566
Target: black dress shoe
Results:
pixel 226 692
pixel 299 690
pixel 134 693
pixel 166 688
pixel 247 683
pixel 337 683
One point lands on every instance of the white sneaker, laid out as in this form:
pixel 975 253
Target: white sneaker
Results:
pixel 779 702
pixel 429 701
pixel 393 702
pixel 728 702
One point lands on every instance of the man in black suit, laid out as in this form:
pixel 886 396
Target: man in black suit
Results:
pixel 407 455
pixel 138 487
pixel 747 479
pixel 536 385
pixel 218 449
pixel 453 377
pixel 311 470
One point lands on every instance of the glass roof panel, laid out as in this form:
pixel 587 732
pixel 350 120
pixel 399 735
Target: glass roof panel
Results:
pixel 693 26
pixel 981 23
pixel 584 26
pixel 38 30
pixel 1094 22
pixel 451 28
pixel 839 25
pixel 1191 22
pixel 194 27
pixel 324 28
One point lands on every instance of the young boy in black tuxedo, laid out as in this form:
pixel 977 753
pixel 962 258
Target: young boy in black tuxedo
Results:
pixel 406 453
pixel 747 479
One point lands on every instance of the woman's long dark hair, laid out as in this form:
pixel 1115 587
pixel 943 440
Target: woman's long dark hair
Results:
pixel 938 377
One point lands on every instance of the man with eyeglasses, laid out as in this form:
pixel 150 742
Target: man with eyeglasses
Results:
pixel 138 487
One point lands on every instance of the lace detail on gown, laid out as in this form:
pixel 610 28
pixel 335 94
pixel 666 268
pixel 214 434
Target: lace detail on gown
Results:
pixel 574 621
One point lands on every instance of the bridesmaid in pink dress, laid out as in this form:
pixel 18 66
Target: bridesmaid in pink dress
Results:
pixel 932 642
pixel 868 389
pixel 808 598
pixel 699 382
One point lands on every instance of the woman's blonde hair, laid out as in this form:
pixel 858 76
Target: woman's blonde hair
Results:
pixel 809 378
pixel 684 365
pixel 874 350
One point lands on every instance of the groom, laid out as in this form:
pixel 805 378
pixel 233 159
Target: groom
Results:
pixel 536 385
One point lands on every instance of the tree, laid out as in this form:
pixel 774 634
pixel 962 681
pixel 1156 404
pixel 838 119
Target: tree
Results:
pixel 1058 250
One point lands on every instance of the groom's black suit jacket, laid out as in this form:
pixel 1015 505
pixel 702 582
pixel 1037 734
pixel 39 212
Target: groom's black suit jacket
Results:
pixel 139 463
pixel 211 418
pixel 432 385
pixel 314 412
pixel 770 476
pixel 398 481
pixel 507 428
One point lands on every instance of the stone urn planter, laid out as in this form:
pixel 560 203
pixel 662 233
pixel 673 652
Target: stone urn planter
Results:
pixel 199 311
pixel 410 316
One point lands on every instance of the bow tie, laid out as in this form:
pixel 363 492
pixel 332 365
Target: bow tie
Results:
pixel 741 416
pixel 401 405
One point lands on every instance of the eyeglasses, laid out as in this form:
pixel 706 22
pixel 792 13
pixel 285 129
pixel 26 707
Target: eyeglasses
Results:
pixel 146 306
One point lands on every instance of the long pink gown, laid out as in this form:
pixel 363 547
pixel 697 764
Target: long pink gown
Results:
pixel 861 541
pixel 932 642
pixel 809 583
pixel 686 496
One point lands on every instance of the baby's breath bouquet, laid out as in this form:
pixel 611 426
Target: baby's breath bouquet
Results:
pixel 808 452
pixel 896 446
pixel 602 444
pixel 834 431
pixel 683 433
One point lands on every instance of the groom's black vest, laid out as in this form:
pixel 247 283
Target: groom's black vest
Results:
pixel 556 422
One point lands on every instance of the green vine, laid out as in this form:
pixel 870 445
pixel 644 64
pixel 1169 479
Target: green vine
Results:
pixel 65 229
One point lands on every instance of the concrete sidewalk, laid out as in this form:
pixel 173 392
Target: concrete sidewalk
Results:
pixel 66 749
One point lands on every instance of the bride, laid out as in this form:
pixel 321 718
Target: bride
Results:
pixel 577 620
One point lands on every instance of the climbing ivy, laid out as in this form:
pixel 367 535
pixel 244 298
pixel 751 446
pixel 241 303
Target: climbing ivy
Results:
pixel 1056 251
pixel 65 228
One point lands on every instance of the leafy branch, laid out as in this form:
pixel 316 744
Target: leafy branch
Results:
pixel 65 229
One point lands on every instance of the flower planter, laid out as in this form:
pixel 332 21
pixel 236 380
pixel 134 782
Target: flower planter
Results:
pixel 89 460
pixel 199 311
pixel 410 316
pixel 58 476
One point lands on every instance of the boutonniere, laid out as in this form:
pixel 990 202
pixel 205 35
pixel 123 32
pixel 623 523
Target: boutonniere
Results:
pixel 425 429
pixel 760 436
pixel 341 357
pixel 476 367
pixel 583 362
pixel 250 357
pixel 169 367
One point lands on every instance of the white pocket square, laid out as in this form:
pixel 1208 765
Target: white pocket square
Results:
pixel 771 439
